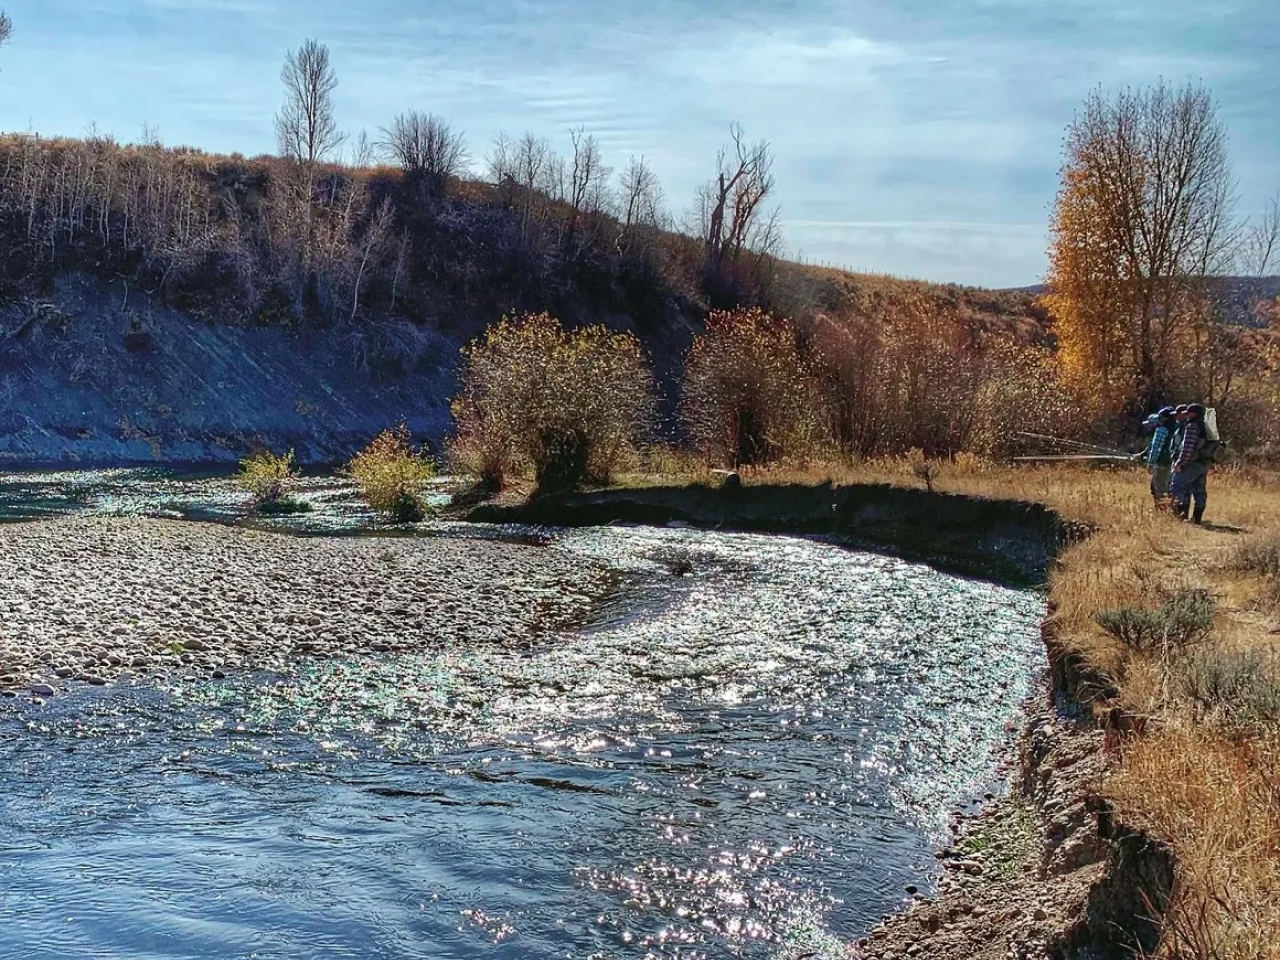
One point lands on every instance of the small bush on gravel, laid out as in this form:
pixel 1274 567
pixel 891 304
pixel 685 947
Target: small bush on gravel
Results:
pixel 270 478
pixel 1243 687
pixel 1184 621
pixel 391 475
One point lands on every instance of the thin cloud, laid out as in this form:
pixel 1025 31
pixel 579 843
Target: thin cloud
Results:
pixel 916 137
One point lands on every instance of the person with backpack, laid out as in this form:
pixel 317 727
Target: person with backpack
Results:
pixel 1159 453
pixel 1191 465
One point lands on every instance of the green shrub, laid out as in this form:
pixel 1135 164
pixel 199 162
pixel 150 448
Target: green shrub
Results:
pixel 269 479
pixel 567 405
pixel 1241 687
pixel 1184 621
pixel 286 506
pixel 391 475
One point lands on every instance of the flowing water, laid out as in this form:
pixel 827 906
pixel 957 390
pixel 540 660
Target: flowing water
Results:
pixel 749 750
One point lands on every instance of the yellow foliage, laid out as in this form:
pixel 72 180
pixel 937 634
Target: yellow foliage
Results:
pixel 749 395
pixel 568 405
pixel 267 476
pixel 391 475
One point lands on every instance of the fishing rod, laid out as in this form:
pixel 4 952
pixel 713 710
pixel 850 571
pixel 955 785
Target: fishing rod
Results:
pixel 1095 448
pixel 1119 458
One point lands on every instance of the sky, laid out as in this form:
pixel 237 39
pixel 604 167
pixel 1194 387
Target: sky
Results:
pixel 920 138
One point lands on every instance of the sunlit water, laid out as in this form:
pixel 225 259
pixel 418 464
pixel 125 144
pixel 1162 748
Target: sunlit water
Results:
pixel 749 751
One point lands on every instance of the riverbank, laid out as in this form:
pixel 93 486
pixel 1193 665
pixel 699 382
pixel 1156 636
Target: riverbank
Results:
pixel 1145 815
pixel 1002 540
pixel 101 599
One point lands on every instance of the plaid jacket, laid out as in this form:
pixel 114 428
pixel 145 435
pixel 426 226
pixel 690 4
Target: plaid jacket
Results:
pixel 1192 441
pixel 1160 453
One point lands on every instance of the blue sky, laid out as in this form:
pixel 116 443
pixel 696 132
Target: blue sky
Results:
pixel 915 137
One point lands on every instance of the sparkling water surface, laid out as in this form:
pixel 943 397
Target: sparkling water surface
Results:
pixel 748 750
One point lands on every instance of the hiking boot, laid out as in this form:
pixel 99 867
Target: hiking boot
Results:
pixel 1198 517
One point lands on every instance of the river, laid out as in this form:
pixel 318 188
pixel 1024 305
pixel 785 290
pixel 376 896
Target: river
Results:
pixel 749 748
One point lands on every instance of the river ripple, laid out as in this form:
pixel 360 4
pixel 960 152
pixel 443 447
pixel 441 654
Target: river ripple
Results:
pixel 748 750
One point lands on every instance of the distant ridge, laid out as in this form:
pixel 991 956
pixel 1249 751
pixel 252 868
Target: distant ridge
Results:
pixel 1242 299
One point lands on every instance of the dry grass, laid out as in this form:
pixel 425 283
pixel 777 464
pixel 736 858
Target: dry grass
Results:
pixel 1205 777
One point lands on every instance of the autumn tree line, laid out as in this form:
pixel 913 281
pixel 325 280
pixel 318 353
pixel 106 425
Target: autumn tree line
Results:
pixel 386 235
pixel 571 405
pixel 1142 231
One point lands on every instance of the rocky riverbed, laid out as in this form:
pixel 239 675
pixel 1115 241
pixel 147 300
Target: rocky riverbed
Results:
pixel 103 599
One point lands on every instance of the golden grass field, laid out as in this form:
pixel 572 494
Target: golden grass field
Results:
pixel 1204 775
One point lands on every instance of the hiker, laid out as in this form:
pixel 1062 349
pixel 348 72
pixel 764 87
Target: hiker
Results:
pixel 1159 453
pixel 1190 469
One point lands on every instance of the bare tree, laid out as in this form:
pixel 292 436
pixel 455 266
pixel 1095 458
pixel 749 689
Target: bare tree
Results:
pixel 6 28
pixel 369 248
pixel 639 207
pixel 501 166
pixel 427 149
pixel 1261 251
pixel 523 169
pixel 363 151
pixel 305 126
pixel 589 177
pixel 730 206
pixel 641 196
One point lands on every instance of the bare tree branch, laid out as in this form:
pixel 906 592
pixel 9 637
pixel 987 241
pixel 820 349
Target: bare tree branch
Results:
pixel 305 126
pixel 426 148
pixel 729 207
pixel 6 28
pixel 362 151
pixel 642 196
pixel 1261 253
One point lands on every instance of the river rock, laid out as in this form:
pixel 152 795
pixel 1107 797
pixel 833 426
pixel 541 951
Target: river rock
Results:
pixel 42 690
pixel 156 581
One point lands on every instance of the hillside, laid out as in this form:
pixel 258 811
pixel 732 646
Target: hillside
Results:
pixel 168 305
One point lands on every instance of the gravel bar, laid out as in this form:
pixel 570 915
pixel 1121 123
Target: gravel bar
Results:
pixel 100 600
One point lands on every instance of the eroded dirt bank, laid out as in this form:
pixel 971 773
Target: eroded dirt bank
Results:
pixel 995 539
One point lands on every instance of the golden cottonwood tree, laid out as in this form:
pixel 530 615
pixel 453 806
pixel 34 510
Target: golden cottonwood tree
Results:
pixel 1143 218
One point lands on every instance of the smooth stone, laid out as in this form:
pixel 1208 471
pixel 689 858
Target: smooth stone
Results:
pixel 43 690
